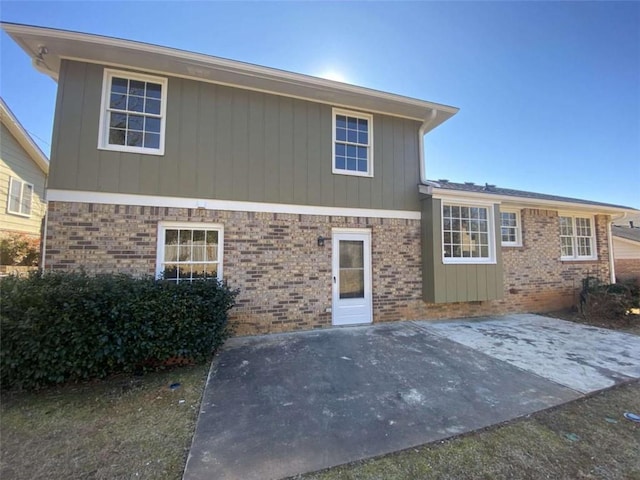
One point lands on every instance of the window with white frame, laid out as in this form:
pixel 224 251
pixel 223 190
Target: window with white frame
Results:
pixel 577 238
pixel 467 234
pixel 510 228
pixel 188 252
pixel 132 117
pixel 352 143
pixel 20 197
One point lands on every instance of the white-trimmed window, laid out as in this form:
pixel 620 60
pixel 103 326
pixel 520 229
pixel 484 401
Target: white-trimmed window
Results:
pixel 133 111
pixel 20 197
pixel 467 234
pixel 577 238
pixel 510 228
pixel 352 143
pixel 189 251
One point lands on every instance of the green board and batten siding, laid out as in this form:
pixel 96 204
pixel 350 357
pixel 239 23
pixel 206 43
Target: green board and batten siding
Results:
pixel 230 144
pixel 446 283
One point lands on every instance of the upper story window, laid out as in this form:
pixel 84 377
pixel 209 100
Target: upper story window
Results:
pixel 352 143
pixel 132 117
pixel 188 251
pixel 510 228
pixel 467 234
pixel 577 238
pixel 20 196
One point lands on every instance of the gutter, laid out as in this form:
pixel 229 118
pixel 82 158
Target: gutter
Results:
pixel 612 263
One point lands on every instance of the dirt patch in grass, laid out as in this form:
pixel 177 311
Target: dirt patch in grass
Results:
pixel 629 323
pixel 586 439
pixel 125 427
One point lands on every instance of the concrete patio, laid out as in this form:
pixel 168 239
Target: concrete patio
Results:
pixel 279 405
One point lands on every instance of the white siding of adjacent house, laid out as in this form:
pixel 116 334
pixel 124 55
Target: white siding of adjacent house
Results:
pixel 625 249
pixel 15 162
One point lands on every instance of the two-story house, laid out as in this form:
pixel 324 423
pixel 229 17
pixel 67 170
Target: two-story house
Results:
pixel 310 196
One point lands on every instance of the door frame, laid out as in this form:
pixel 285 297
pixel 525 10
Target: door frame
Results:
pixel 338 234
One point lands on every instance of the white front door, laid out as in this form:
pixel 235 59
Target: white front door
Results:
pixel 352 297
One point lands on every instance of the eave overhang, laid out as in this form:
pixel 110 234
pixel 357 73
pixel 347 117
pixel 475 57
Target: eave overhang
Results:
pixel 47 47
pixel 594 208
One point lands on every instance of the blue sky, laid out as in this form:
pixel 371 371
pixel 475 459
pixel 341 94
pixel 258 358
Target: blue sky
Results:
pixel 549 92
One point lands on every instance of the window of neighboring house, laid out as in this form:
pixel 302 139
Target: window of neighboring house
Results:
pixel 510 228
pixel 467 234
pixel 577 238
pixel 20 196
pixel 132 117
pixel 188 251
pixel 352 143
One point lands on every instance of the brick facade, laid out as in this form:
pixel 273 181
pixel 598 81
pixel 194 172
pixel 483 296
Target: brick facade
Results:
pixel 285 278
pixel 627 268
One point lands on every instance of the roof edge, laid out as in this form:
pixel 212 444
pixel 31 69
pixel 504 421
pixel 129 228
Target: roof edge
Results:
pixel 18 32
pixel 24 139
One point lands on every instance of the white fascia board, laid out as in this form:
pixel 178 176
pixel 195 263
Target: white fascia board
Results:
pixel 227 205
pixel 523 202
pixel 164 60
pixel 10 121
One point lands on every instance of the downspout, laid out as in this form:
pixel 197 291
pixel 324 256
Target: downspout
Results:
pixel 612 264
pixel 44 239
pixel 421 133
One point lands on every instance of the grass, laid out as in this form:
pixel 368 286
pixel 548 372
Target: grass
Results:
pixel 121 428
pixel 586 439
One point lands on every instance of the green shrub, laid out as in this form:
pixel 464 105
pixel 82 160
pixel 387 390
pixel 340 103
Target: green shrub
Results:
pixel 60 327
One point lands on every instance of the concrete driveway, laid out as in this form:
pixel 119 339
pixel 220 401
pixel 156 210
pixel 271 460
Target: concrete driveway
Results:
pixel 279 405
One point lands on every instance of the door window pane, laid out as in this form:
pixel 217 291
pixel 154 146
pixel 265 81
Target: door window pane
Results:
pixel 351 269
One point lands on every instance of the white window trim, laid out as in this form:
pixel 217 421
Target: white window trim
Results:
pixel 575 256
pixel 103 130
pixel 162 226
pixel 492 238
pixel 351 113
pixel 22 185
pixel 518 242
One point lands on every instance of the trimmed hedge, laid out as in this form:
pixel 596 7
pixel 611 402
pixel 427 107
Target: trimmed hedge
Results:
pixel 60 327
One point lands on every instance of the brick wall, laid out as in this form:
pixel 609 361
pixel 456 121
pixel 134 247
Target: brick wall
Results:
pixel 627 268
pixel 285 278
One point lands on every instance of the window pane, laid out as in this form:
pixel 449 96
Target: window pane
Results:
pixel 362 165
pixel 27 192
pixel 341 163
pixel 362 152
pixel 363 138
pixel 135 104
pixel 152 140
pixel 352 283
pixel 351 164
pixel 363 125
pixel 185 237
pixel 351 253
pixel 341 149
pixel 341 134
pixel 352 136
pixel 351 151
pixel 118 120
pixel 154 90
pixel 171 253
pixel 170 272
pixel 341 121
pixel 117 137
pixel 152 106
pixel 135 122
pixel 118 101
pixel 14 196
pixel 134 139
pixel 119 85
pixel 352 123
pixel 136 87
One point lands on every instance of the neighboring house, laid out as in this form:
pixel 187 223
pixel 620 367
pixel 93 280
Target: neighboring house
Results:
pixel 626 251
pixel 23 176
pixel 308 195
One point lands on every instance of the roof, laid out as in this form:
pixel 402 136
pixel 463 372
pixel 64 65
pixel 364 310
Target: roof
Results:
pixel 628 233
pixel 446 188
pixel 10 121
pixel 48 46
